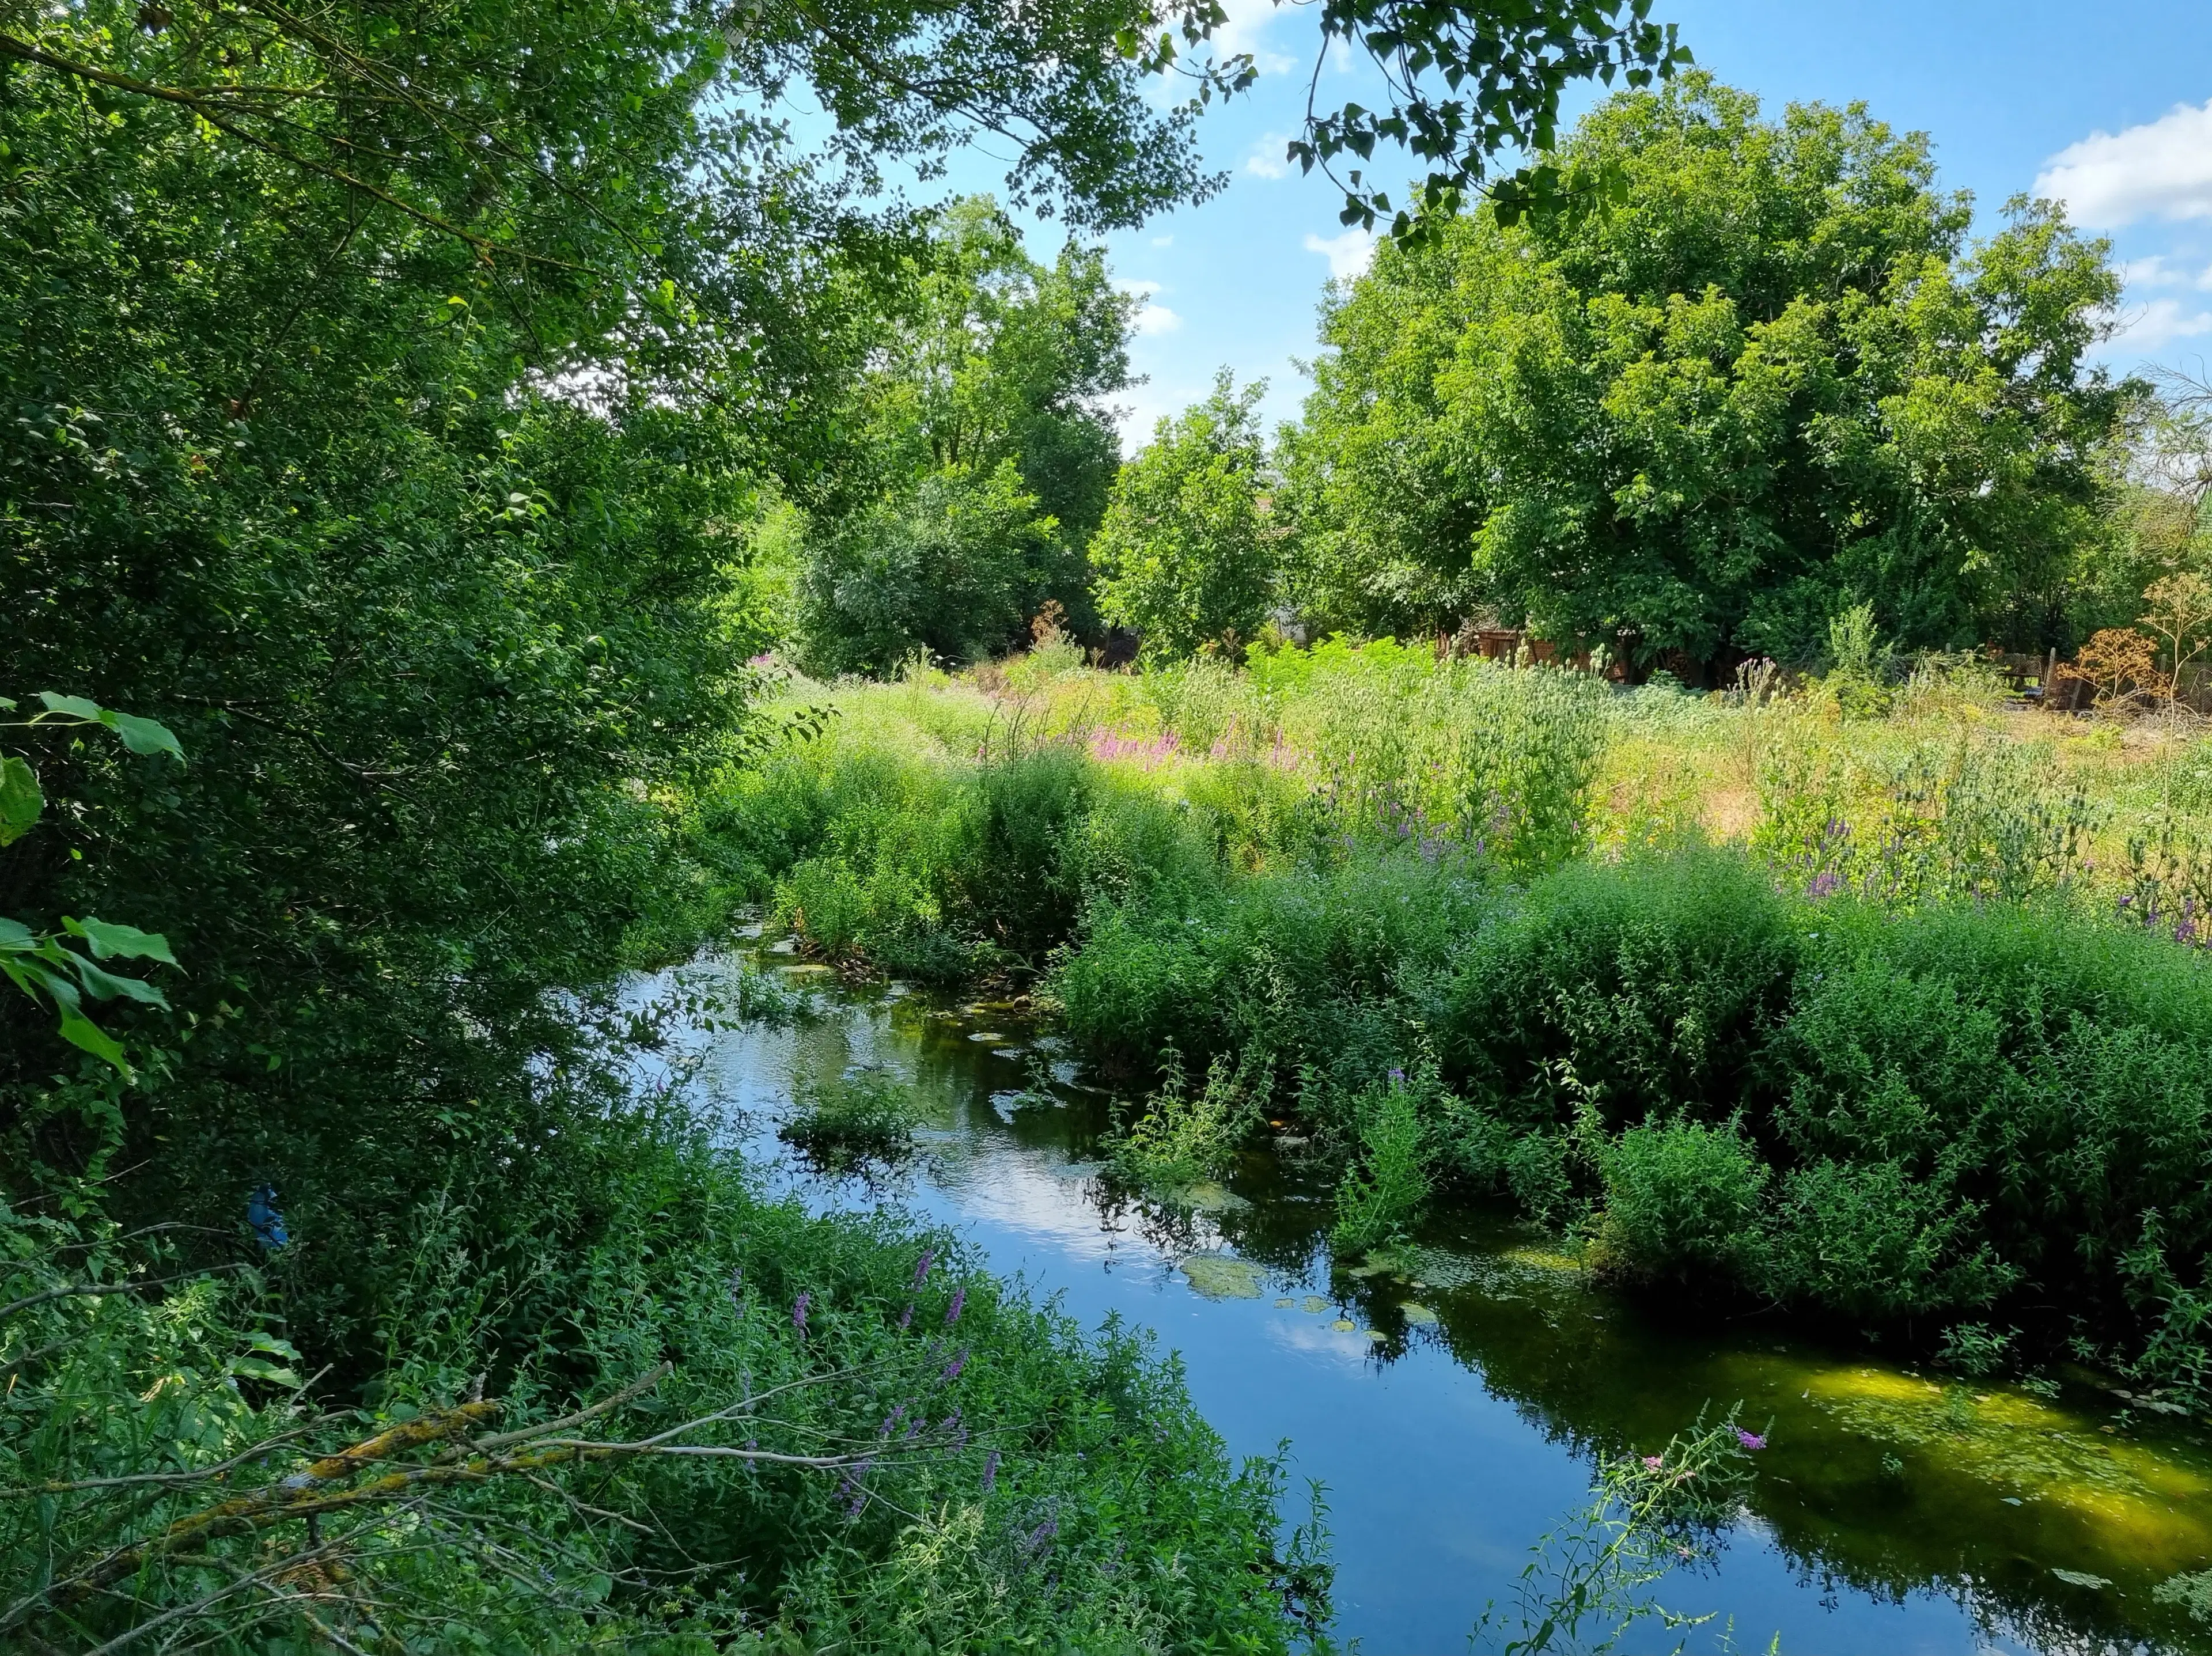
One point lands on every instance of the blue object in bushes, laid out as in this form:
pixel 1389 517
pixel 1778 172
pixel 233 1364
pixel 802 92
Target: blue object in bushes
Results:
pixel 261 1214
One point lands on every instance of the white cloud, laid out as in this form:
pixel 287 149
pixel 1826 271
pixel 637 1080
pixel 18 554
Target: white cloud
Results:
pixel 1162 241
pixel 2162 168
pixel 1266 161
pixel 1150 318
pixel 1348 255
pixel 2152 272
pixel 1246 30
pixel 2160 323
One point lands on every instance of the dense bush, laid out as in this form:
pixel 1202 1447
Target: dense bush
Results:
pixel 997 1480
pixel 1653 986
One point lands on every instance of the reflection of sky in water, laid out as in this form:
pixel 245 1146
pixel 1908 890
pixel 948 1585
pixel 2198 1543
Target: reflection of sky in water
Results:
pixel 1436 1485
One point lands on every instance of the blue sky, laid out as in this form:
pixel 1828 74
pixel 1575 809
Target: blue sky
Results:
pixel 2109 105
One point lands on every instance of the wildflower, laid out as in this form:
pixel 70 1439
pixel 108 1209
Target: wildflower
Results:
pixel 906 1317
pixel 1823 885
pixel 921 1266
pixel 1042 1533
pixel 1397 1077
pixel 1653 1463
pixel 952 1369
pixel 853 1486
pixel 799 1310
pixel 952 1311
pixel 1749 1440
pixel 990 1472
pixel 890 1421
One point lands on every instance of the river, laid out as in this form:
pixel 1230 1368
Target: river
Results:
pixel 1453 1406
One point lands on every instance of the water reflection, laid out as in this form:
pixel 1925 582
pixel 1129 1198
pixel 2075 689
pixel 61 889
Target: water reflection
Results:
pixel 1452 1395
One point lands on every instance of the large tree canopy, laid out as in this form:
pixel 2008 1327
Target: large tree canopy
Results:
pixel 980 452
pixel 1767 380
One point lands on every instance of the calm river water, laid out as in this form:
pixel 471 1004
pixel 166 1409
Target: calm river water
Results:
pixel 1454 1411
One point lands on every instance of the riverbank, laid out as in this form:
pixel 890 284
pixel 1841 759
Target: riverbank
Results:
pixel 1455 1400
pixel 1905 1049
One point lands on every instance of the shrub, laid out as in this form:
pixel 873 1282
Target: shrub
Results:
pixel 1683 1200
pixel 1074 1498
pixel 1381 1194
pixel 867 1112
pixel 1179 1141
pixel 1657 982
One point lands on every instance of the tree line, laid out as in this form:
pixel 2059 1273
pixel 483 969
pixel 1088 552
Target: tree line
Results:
pixel 1755 375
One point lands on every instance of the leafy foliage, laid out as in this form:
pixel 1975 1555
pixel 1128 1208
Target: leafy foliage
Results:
pixel 1768 383
pixel 743 1428
pixel 1186 555
pixel 981 456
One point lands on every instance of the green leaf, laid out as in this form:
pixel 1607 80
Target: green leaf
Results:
pixel 20 802
pixel 103 985
pixel 74 706
pixel 15 935
pixel 81 1031
pixel 112 942
pixel 144 735
pixel 141 736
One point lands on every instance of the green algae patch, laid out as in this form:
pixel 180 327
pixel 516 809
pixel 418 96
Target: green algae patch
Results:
pixel 2140 1499
pixel 1206 1196
pixel 1414 1312
pixel 1545 1259
pixel 1223 1276
pixel 1314 1305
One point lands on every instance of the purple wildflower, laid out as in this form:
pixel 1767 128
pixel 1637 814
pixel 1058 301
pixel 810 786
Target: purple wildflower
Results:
pixel 891 1421
pixel 1397 1077
pixel 952 1311
pixel 990 1472
pixel 921 1266
pixel 799 1310
pixel 853 1487
pixel 1749 1440
pixel 952 1369
pixel 1042 1533
pixel 906 1317
pixel 1653 1463
pixel 1823 885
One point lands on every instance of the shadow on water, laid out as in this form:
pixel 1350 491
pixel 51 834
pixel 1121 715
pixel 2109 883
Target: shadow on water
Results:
pixel 1452 1394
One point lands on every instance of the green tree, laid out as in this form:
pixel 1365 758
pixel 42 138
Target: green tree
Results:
pixel 981 453
pixel 1769 380
pixel 944 567
pixel 1188 554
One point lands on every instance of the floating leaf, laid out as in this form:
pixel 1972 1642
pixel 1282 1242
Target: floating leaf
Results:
pixel 2081 1578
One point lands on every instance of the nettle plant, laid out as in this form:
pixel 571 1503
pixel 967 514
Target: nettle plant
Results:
pixel 64 969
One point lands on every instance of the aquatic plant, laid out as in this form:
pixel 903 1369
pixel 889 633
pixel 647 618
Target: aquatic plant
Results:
pixel 1383 1191
pixel 1590 1582
pixel 868 1113
pixel 1179 1139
